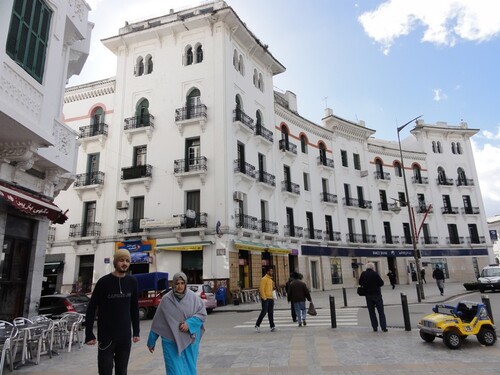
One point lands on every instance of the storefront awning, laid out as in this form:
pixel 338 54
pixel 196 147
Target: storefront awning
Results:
pixel 31 204
pixel 256 246
pixel 183 246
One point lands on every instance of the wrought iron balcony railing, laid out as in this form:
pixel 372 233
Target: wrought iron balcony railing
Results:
pixel 382 175
pixel 325 161
pixel 455 240
pixel 421 180
pixel 260 130
pixel 361 238
pixel 332 236
pixel 313 234
pixel 444 181
pixel 386 206
pixel 193 220
pixel 246 221
pixel 290 187
pixel 198 111
pixel 422 209
pixel 129 226
pixel 470 210
pixel 293 231
pixel 266 178
pixel 328 197
pixel 138 171
pixel 429 240
pixel 91 229
pixel 93 130
pixel 476 240
pixel 449 210
pixel 464 182
pixel 137 122
pixel 360 203
pixel 244 167
pixel 242 117
pixel 287 146
pixel 390 239
pixel 266 226
pixel 86 179
pixel 198 164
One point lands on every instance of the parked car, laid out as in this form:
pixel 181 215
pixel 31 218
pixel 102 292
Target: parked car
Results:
pixel 490 278
pixel 53 306
pixel 206 293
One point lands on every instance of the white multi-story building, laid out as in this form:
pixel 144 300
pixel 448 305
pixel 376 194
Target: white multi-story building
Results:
pixel 190 160
pixel 44 42
pixel 494 228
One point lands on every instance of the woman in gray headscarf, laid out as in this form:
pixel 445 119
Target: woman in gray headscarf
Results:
pixel 179 321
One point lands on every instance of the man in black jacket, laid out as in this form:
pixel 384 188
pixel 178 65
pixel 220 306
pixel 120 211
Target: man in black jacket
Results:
pixel 115 299
pixel 371 282
pixel 297 294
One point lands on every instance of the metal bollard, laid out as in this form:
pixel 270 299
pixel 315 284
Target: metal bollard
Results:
pixel 333 315
pixel 344 293
pixel 486 301
pixel 406 313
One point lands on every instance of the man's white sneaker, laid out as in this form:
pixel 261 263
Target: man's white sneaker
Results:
pixel 257 328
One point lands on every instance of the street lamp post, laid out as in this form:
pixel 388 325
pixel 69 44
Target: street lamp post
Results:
pixel 416 252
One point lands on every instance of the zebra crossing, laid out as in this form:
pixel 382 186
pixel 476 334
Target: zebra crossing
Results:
pixel 282 318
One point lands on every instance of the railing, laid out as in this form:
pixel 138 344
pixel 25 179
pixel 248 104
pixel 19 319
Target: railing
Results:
pixel 455 240
pixel 129 226
pixel 246 221
pixel 422 209
pixel 430 240
pixel 464 182
pixel 382 175
pixel 385 206
pixel 196 220
pixel 361 203
pixel 361 238
pixel 390 239
pixel 470 210
pixel 332 236
pixel 244 167
pixel 137 122
pixel 266 178
pixel 420 180
pixel 290 187
pixel 449 210
pixel 476 240
pixel 264 133
pixel 293 231
pixel 267 226
pixel 86 179
pixel 287 146
pixel 314 234
pixel 328 197
pixel 91 229
pixel 325 161
pixel 190 165
pixel 444 181
pixel 93 130
pixel 138 171
pixel 191 112
pixel 240 116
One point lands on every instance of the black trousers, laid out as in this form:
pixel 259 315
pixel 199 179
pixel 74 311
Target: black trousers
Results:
pixel 267 308
pixel 116 352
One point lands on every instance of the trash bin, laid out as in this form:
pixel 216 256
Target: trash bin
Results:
pixel 220 296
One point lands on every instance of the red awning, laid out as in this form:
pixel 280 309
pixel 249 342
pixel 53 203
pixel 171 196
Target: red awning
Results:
pixel 30 204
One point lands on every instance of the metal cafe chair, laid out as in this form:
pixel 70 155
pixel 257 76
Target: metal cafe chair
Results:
pixel 8 333
pixel 70 326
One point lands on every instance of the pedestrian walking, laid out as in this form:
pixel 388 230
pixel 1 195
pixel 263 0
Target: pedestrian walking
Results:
pixel 287 289
pixel 179 321
pixel 371 282
pixel 392 278
pixel 438 274
pixel 266 296
pixel 299 292
pixel 422 275
pixel 115 298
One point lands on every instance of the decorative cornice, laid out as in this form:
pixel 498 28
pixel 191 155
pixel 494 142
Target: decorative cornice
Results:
pixel 394 152
pixel 90 90
pixel 302 123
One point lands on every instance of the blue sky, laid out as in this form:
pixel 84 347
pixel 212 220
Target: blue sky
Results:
pixel 384 62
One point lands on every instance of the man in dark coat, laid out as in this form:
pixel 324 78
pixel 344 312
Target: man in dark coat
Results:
pixel 438 274
pixel 298 293
pixel 371 282
pixel 287 290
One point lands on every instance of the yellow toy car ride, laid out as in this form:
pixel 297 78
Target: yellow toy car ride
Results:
pixel 454 323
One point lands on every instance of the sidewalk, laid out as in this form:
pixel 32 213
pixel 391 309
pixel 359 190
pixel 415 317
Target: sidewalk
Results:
pixel 391 297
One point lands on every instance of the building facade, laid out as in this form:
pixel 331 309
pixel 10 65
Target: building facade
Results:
pixel 44 42
pixel 193 162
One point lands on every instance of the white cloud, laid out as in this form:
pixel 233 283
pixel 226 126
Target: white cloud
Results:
pixel 439 95
pixel 489 135
pixel 444 21
pixel 488 170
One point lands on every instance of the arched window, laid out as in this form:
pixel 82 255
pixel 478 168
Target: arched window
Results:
pixel 434 146
pixel 97 121
pixel 417 176
pixel 462 178
pixel 261 83
pixel 379 166
pixel 453 149
pixel 239 108
pixel 438 146
pixel 255 77
pixel 322 153
pixel 235 59
pixel 258 119
pixel 189 55
pixel 441 176
pixel 149 64
pixel 397 169
pixel 284 134
pixel 199 54
pixel 193 103
pixel 142 113
pixel 459 148
pixel 139 69
pixel 241 66
pixel 303 143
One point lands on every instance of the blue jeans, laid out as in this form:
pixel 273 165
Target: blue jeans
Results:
pixel 376 302
pixel 300 311
pixel 267 308
pixel 117 352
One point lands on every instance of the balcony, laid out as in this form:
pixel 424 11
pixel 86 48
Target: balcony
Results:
pixel 184 168
pixel 476 240
pixel 455 240
pixel 87 231
pixel 464 182
pixel 422 209
pixel 390 240
pixel 332 236
pixel 266 179
pixel 287 147
pixel 93 133
pixel 191 115
pixel 243 121
pixel 51 237
pixel 325 162
pixel 429 240
pixel 136 175
pixel 449 210
pixel 328 198
pixel 389 207
pixel 313 234
pixel 420 180
pixel 191 222
pixel 244 171
pixel 89 181
pixel 291 189
pixel 470 210
pixel 293 231
pixel 129 226
pixel 444 181
pixel 382 176
pixel 139 124
pixel 245 221
pixel 266 226
pixel 357 203
pixel 264 134
pixel 361 238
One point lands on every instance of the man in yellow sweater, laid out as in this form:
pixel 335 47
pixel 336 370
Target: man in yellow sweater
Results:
pixel 267 301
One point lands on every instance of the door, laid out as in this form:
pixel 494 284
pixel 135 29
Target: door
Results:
pixel 314 275
pixel 193 205
pixel 88 225
pixel 137 213
pixel 92 169
pixel 192 154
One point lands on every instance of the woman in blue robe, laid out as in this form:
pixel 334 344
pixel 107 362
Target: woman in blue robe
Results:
pixel 179 322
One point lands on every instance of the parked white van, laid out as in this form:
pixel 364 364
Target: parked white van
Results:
pixel 490 278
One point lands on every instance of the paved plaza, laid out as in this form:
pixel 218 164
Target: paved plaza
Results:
pixel 351 348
